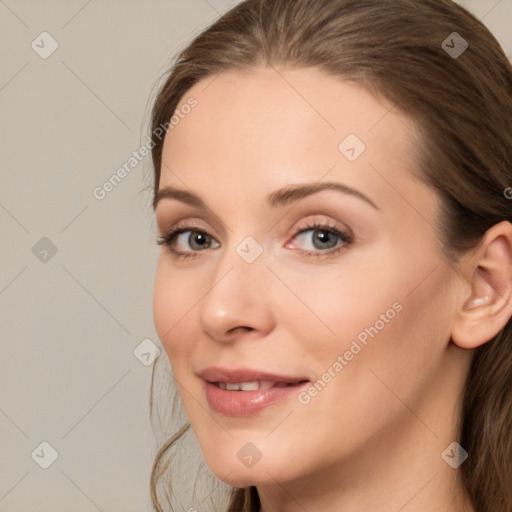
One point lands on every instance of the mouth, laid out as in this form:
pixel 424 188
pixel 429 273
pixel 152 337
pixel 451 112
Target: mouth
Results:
pixel 242 392
pixel 254 385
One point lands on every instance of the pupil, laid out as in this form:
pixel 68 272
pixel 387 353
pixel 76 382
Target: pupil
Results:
pixel 198 238
pixel 323 238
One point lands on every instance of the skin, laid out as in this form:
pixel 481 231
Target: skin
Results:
pixel 372 438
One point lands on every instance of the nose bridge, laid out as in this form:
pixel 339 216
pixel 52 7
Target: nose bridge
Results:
pixel 236 295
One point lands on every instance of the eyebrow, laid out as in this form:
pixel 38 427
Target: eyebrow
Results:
pixel 278 198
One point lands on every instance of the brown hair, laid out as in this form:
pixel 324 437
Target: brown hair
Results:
pixel 462 106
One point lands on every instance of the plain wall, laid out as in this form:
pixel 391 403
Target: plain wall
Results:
pixel 70 324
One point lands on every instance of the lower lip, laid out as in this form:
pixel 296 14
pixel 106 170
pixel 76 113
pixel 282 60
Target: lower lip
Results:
pixel 244 403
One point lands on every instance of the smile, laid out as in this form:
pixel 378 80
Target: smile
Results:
pixel 244 392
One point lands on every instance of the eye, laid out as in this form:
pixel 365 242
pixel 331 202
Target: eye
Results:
pixel 319 239
pixel 185 242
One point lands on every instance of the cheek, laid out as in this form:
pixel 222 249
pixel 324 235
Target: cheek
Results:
pixel 331 308
pixel 172 302
pixel 394 346
pixel 385 317
pixel 400 357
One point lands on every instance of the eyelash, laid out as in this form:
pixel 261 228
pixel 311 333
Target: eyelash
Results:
pixel 346 239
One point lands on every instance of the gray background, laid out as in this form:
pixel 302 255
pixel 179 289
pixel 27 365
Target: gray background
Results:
pixel 71 321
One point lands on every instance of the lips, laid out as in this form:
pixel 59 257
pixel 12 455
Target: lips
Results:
pixel 241 392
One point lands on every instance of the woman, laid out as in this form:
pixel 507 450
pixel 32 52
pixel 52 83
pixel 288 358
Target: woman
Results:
pixel 334 284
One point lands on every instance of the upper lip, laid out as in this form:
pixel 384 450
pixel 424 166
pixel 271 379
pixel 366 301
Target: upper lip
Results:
pixel 237 375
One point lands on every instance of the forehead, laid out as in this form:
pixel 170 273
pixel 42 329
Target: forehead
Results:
pixel 271 127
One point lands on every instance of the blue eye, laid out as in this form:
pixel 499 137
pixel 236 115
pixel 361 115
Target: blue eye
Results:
pixel 322 240
pixel 195 239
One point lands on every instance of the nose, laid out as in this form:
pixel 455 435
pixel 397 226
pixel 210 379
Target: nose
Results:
pixel 238 300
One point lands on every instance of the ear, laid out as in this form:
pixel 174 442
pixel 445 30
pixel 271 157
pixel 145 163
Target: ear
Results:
pixel 488 308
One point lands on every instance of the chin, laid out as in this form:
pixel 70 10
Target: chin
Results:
pixel 255 476
pixel 242 466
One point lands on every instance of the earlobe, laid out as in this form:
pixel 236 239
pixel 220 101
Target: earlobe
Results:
pixel 488 308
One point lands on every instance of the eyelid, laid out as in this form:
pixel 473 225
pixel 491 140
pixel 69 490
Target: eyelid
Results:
pixel 315 220
pixel 190 223
pixel 318 222
pixel 189 217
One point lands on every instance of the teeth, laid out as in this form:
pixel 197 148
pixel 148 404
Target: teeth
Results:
pixel 251 386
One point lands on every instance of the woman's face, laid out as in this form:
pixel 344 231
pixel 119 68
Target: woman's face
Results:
pixel 306 256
